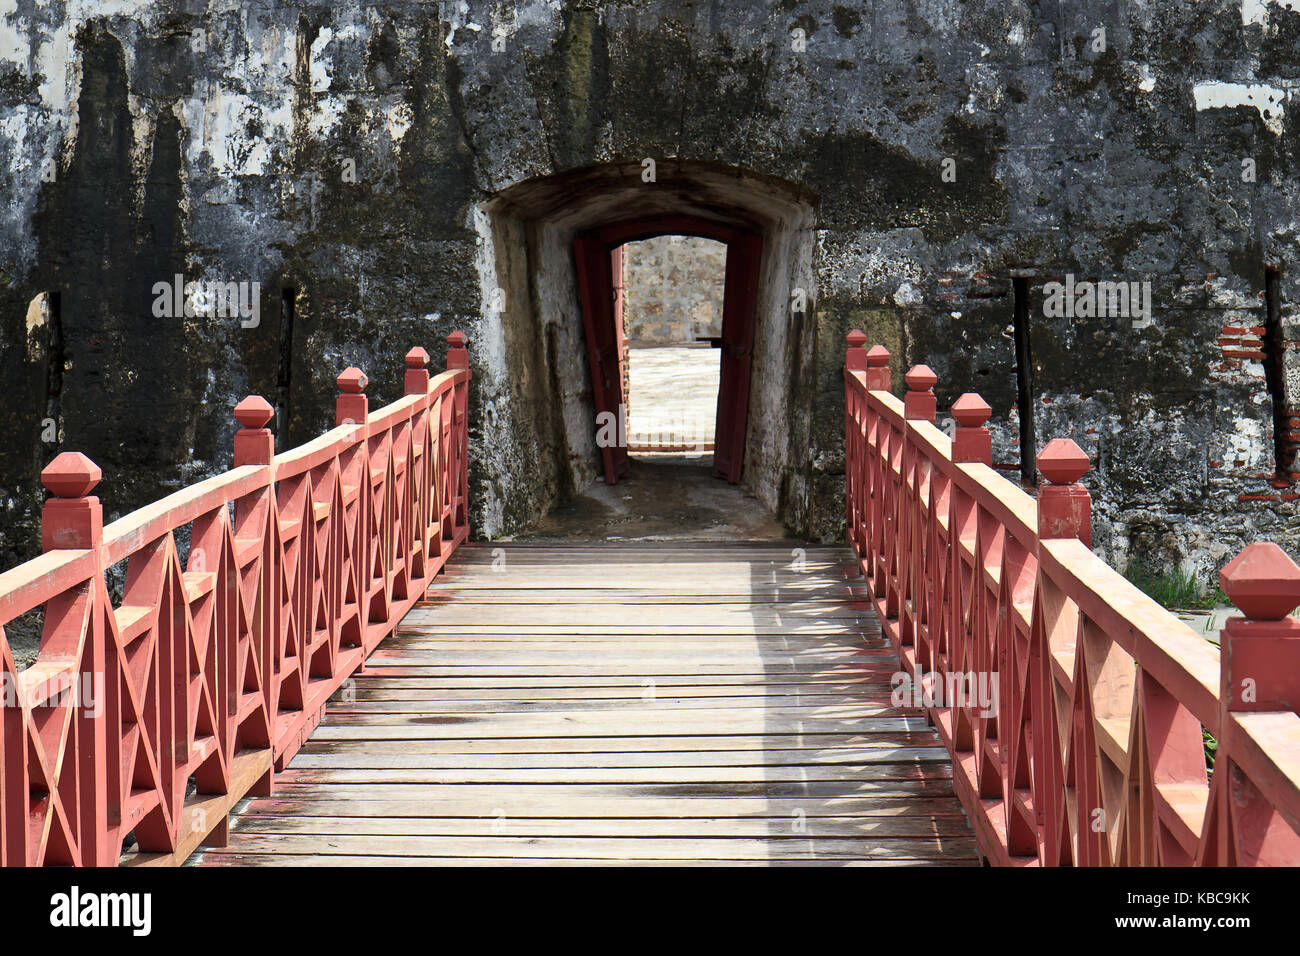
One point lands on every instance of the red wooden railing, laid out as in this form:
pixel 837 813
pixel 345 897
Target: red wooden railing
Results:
pixel 1090 747
pixel 155 716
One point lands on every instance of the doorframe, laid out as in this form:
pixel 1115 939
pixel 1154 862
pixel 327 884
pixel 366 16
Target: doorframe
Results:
pixel 596 292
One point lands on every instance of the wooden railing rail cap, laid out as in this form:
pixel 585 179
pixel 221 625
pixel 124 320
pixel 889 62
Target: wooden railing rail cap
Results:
pixel 1266 746
pixel 1005 501
pixel 34 582
pixel 133 531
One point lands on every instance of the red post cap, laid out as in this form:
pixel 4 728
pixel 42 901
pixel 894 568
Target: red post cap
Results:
pixel 971 411
pixel 1262 581
pixel 877 355
pixel 417 358
pixel 71 475
pixel 856 339
pixel 1062 462
pixel 353 381
pixel 921 378
pixel 457 340
pixel 254 412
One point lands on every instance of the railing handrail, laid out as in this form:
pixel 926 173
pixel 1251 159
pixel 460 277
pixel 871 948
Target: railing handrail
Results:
pixel 1093 751
pixel 1184 662
pixel 213 674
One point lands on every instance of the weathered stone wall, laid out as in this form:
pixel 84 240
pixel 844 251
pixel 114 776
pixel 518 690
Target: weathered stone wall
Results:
pixel 350 158
pixel 673 290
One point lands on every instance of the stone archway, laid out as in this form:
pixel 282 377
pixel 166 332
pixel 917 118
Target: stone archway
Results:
pixel 536 387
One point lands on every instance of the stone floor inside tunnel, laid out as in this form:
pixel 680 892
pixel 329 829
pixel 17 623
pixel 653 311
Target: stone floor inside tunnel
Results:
pixel 667 497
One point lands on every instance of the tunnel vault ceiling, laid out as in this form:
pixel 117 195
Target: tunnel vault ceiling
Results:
pixel 598 196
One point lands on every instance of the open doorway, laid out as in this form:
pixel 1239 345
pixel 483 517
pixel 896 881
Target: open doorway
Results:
pixel 599 257
pixel 669 291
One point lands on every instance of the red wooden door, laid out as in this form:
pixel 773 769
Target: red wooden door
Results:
pixel 620 332
pixel 604 350
pixel 739 302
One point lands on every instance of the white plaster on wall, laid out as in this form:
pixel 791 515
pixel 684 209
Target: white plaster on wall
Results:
pixel 1256 11
pixel 398 120
pixel 1268 101
pixel 1245 441
pixel 489 351
pixel 322 61
pixel 217 124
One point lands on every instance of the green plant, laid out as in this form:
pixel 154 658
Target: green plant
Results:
pixel 1173 588
pixel 1211 749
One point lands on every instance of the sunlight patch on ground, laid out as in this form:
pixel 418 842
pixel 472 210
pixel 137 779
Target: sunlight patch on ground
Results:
pixel 672 397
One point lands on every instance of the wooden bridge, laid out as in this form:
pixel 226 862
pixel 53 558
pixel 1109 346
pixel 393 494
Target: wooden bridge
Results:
pixel 307 662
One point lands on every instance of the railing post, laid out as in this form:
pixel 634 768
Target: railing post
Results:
pixel 1259 670
pixel 254 443
pixel 1260 652
pixel 855 356
pixel 74 520
pixel 1064 506
pixel 458 358
pixel 971 441
pixel 457 354
pixel 855 360
pixel 352 407
pixel 417 372
pixel 878 376
pixel 919 403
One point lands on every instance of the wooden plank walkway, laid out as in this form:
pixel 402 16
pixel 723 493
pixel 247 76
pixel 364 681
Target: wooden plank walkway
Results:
pixel 606 703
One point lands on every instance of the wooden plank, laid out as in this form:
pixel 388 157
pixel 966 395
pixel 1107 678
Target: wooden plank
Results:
pixel 793 826
pixel 843 773
pixel 626 638
pixel 223 858
pixel 398 727
pixel 596 696
pixel 759 683
pixel 834 708
pixel 414 689
pixel 454 803
pixel 756 598
pixel 819 666
pixel 365 757
pixel 614 646
pixel 737 635
pixel 772 789
pixel 607 613
pixel 606 848
pixel 683 743
pixel 409 701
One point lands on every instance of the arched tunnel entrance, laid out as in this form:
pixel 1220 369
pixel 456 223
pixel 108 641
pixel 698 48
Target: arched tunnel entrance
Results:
pixel 550 349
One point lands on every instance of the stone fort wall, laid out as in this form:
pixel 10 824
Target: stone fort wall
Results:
pixel 335 162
